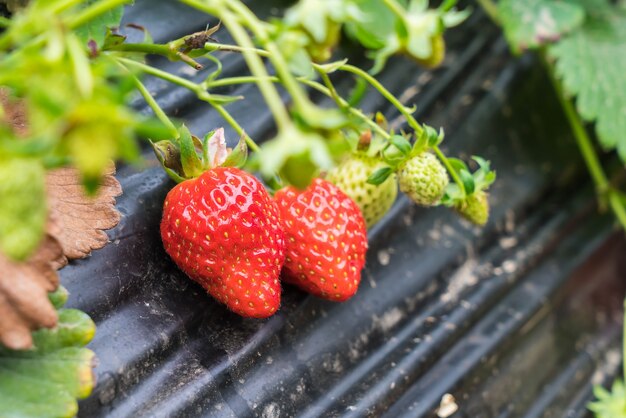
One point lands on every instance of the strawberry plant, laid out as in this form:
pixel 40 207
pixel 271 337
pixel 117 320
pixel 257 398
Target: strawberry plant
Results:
pixel 581 44
pixel 67 73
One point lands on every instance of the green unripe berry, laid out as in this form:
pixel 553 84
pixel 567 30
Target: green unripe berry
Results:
pixel 351 177
pixel 423 178
pixel 475 208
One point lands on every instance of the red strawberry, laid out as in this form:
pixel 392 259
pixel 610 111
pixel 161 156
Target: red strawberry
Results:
pixel 222 230
pixel 326 240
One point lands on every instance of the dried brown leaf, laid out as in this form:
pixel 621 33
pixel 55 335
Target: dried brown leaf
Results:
pixel 78 220
pixel 14 113
pixel 76 227
pixel 24 287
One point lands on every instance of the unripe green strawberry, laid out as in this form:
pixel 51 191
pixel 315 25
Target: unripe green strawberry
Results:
pixel 475 208
pixel 435 59
pixel 351 177
pixel 423 178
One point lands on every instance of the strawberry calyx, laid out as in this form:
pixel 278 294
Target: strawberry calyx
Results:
pixel 472 202
pixel 397 151
pixel 188 156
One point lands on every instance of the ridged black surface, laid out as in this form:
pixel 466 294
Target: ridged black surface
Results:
pixel 518 319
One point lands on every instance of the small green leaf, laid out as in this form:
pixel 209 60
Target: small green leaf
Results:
pixel 221 99
pixel 458 165
pixel 239 154
pixel 609 404
pixel 23 210
pixel 468 181
pixel 331 67
pixel 191 164
pixel 379 176
pixel 532 23
pixel 400 142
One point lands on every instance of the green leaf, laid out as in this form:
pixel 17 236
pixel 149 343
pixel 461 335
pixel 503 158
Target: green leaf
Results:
pixel 468 181
pixel 532 23
pixel 45 381
pixel 379 176
pixel 376 26
pixel 331 67
pixel 239 154
pixel 591 63
pixel 609 404
pixel 401 143
pixel 23 210
pixel 192 166
pixel 96 29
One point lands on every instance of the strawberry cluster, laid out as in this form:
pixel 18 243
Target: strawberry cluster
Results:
pixel 228 234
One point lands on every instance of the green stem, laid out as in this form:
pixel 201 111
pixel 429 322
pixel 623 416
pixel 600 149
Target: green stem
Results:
pixel 300 99
pixel 246 79
pixel 491 9
pixel 413 123
pixel 158 111
pixel 164 75
pixel 156 49
pixel 331 88
pixel 228 81
pixel 211 47
pixel 233 123
pixel 585 145
pixel 255 64
pixel 386 94
pixel 354 111
pixel 197 89
pixel 257 68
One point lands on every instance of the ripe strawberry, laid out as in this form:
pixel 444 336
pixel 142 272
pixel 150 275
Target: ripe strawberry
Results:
pixel 351 177
pixel 423 178
pixel 222 230
pixel 326 240
pixel 475 208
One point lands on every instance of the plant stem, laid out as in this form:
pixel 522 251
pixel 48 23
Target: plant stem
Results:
pixel 310 83
pixel 158 111
pixel 211 46
pixel 245 79
pixel 156 49
pixel 331 89
pixel 354 111
pixel 164 75
pixel 196 88
pixel 233 123
pixel 603 187
pixel 407 115
pixel 257 68
pixel 386 94
pixel 300 99
pixel 491 9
